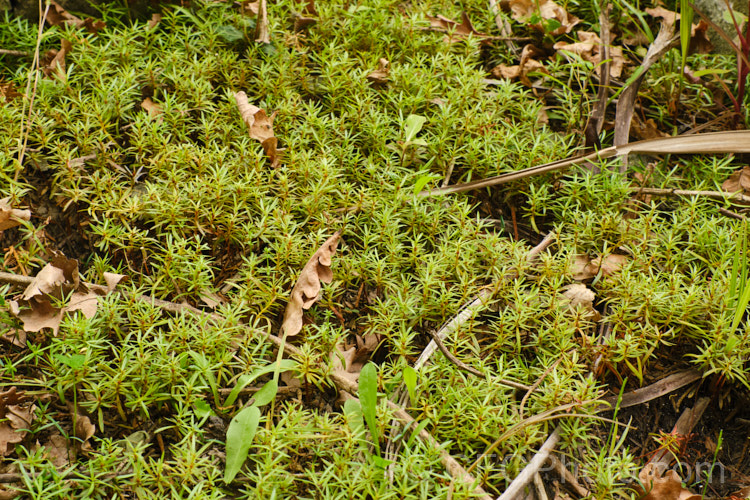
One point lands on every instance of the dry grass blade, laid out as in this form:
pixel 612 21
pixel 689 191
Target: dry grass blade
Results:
pixel 307 289
pixel 664 41
pixel 735 141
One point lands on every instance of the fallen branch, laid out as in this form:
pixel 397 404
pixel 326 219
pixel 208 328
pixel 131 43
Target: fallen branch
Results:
pixel 714 195
pixel 734 141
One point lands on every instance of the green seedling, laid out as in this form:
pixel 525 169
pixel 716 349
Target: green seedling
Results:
pixel 368 397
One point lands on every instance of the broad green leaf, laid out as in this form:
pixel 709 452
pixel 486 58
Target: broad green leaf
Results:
pixel 368 397
pixel 410 379
pixel 244 380
pixel 202 409
pixel 266 393
pixel 413 124
pixel 240 436
pixel 353 415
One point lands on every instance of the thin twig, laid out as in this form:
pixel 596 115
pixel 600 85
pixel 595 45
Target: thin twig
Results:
pixel 453 359
pixel 535 385
pixel 714 195
pixel 731 214
pixel 528 472
pixel 568 479
pixel 19 53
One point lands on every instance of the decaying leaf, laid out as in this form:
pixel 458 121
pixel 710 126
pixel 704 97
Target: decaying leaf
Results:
pixel 56 448
pixel 17 419
pixel 260 126
pixel 57 16
pixel 578 295
pixel 154 21
pixel 525 10
pixel 699 41
pixel 262 30
pixel 526 65
pixel 11 217
pixel 84 430
pixel 646 130
pixel 456 32
pixel 584 268
pixel 53 62
pixel 250 8
pixel 350 357
pixel 153 109
pixel 589 49
pixel 739 181
pixel 379 77
pixel 39 305
pixel 663 487
pixel 8 91
pixel 307 289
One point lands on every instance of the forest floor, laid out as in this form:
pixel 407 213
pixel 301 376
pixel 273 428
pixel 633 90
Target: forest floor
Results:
pixel 233 234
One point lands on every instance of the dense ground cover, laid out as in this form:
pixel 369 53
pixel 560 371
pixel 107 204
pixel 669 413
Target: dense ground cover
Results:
pixel 134 159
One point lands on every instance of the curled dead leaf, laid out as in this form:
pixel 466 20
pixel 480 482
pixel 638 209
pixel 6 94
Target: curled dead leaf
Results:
pixel 578 295
pixel 523 10
pixel 379 77
pixel 262 29
pixel 53 62
pixel 8 91
pixel 589 49
pixel 307 289
pixel 260 126
pixel 456 32
pixel 153 109
pixel 154 21
pixel 15 427
pixel 11 217
pixel 350 357
pixel 584 268
pixel 663 487
pixel 40 304
pixel 739 181
pixel 57 16
pixel 526 65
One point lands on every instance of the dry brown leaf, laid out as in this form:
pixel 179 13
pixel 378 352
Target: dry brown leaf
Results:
pixel 739 181
pixel 8 91
pixel 53 62
pixel 84 430
pixel 349 358
pixel 584 268
pixel 699 41
pixel 260 126
pixel 153 109
pixel 11 217
pixel 457 32
pixel 154 21
pixel 589 49
pixel 248 7
pixel 112 280
pixel 211 299
pixel 13 336
pixel 262 30
pixel 523 10
pixel 307 289
pixel 668 16
pixel 646 130
pixel 663 487
pixel 6 494
pixel 57 16
pixel 16 426
pixel 379 77
pixel 526 65
pixel 57 450
pixel 302 22
pixel 38 306
pixel 578 295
